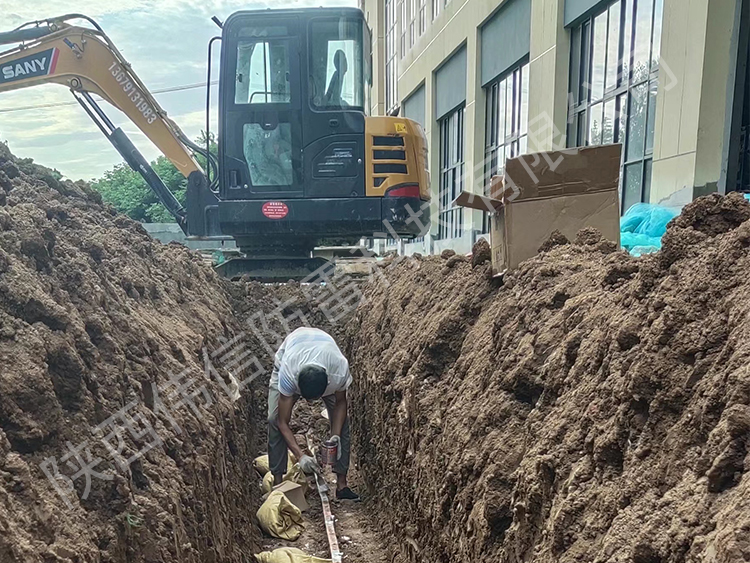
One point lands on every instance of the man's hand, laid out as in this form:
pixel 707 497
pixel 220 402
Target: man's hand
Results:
pixel 309 466
pixel 336 440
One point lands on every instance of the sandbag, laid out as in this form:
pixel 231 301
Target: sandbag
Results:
pixel 262 466
pixel 288 555
pixel 279 518
pixel 295 475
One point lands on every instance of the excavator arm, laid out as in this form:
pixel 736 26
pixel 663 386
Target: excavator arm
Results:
pixel 87 62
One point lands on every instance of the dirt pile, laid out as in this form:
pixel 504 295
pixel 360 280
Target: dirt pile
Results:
pixel 594 408
pixel 102 340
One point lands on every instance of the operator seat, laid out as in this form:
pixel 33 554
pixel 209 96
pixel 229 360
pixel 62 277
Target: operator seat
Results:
pixel 333 94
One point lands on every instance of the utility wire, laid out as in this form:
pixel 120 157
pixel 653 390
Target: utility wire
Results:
pixel 59 104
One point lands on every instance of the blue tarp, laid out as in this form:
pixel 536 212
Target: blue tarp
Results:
pixel 642 227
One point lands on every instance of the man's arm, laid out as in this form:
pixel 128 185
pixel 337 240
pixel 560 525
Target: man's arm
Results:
pixel 339 413
pixel 285 415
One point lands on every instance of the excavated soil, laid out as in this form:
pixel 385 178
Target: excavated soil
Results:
pixel 595 407
pixel 94 317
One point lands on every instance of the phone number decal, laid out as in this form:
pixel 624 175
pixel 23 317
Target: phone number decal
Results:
pixel 132 92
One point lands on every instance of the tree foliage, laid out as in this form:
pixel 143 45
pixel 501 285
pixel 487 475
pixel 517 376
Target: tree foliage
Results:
pixel 128 192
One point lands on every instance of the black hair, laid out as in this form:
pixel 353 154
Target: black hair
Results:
pixel 313 381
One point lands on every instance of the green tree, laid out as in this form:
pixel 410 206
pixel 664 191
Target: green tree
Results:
pixel 129 193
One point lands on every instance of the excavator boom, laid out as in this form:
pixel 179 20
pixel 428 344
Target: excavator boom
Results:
pixel 87 62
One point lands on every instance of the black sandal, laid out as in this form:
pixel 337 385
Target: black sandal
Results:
pixel 347 494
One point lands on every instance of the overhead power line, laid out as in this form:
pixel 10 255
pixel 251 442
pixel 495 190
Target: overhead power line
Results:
pixel 59 104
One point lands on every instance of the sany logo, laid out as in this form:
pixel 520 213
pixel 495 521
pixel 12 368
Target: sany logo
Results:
pixel 30 66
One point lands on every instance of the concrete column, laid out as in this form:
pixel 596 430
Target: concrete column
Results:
pixel 473 129
pixel 548 75
pixel 693 107
pixel 432 132
pixel 375 13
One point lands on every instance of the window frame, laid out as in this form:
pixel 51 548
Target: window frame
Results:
pixel 452 163
pixel 289 44
pixel 590 95
pixel 312 37
pixel 422 17
pixel 511 85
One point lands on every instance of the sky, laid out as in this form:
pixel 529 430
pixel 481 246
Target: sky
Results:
pixel 166 43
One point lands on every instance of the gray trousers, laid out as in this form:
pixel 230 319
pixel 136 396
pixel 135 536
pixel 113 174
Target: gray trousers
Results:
pixel 277 448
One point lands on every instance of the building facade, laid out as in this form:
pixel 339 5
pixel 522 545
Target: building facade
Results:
pixel 494 79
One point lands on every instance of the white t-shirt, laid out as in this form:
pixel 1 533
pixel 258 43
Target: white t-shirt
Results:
pixel 306 346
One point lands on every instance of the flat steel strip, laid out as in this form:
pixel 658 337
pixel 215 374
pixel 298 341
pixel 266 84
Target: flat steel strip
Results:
pixel 322 486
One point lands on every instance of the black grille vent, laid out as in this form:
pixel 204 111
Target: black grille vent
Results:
pixel 390 168
pixel 389 155
pixel 388 141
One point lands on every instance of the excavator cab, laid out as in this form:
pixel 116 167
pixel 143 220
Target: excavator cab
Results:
pixel 292 104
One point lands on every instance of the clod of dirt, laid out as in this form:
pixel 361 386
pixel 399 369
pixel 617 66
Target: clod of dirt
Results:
pixel 554 240
pixel 94 317
pixel 447 253
pixel 480 253
pixel 594 408
pixel 455 260
pixel 588 236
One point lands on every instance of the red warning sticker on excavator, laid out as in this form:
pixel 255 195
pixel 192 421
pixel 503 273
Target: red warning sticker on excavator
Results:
pixel 275 209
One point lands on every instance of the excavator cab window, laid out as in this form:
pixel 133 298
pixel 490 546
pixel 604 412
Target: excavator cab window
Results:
pixel 337 64
pixel 263 72
pixel 263 77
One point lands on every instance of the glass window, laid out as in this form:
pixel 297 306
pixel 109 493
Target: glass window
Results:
pixel 262 72
pixel 506 128
pixel 436 4
pixel 268 154
pixel 613 47
pixel 450 222
pixel 422 16
pixel 614 80
pixel 412 23
pixel 599 57
pixel 402 25
pixel 337 67
pixel 391 62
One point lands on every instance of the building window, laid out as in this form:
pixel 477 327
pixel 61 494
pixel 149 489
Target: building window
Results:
pixel 451 173
pixel 412 23
pixel 436 5
pixel 422 17
pixel 402 24
pixel 391 63
pixel 506 123
pixel 614 70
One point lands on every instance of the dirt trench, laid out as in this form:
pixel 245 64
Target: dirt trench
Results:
pixel 593 407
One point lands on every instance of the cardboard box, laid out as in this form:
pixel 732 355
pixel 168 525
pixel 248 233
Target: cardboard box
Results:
pixel 295 493
pixel 545 192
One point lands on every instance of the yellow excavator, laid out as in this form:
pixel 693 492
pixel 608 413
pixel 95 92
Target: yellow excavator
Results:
pixel 299 158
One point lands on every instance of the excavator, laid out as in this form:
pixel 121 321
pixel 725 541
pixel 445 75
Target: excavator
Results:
pixel 299 160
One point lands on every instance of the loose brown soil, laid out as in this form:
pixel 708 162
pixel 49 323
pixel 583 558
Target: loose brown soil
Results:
pixel 92 313
pixel 596 407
